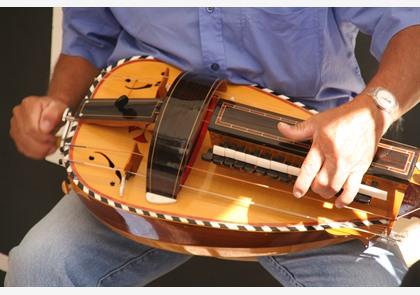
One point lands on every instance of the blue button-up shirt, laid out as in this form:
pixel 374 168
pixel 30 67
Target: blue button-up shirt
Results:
pixel 305 53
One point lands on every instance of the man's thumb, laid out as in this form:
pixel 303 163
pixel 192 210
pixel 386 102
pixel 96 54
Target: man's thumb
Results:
pixel 51 116
pixel 301 131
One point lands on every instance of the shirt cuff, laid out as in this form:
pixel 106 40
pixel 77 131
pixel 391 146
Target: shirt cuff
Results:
pixel 393 22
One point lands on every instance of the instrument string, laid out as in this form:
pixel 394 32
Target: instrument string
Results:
pixel 130 77
pixel 132 88
pixel 408 213
pixel 289 120
pixel 297 150
pixel 264 186
pixel 342 226
pixel 194 168
pixel 112 89
pixel 131 117
pixel 149 80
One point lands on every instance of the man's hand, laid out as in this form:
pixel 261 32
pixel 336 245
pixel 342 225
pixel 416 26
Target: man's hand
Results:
pixel 37 118
pixel 33 125
pixel 344 141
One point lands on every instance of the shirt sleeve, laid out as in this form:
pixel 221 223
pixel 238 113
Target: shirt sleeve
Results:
pixel 381 23
pixel 91 33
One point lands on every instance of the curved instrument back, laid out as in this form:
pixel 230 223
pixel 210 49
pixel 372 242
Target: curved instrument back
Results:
pixel 223 206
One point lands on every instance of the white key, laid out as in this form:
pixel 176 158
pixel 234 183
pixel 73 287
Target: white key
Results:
pixel 261 162
pixel 292 170
pixel 240 156
pixel 251 159
pixel 218 150
pixel 373 192
pixel 230 153
pixel 288 169
pixel 277 166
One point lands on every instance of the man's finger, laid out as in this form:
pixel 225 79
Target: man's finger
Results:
pixel 26 124
pixel 308 171
pixel 329 180
pixel 51 116
pixel 30 112
pixel 350 189
pixel 301 131
pixel 32 148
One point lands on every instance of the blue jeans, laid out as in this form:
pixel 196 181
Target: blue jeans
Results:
pixel 70 247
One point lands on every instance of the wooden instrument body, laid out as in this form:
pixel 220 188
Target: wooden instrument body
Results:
pixel 219 211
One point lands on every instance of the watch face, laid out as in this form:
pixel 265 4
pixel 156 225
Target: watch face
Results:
pixel 385 99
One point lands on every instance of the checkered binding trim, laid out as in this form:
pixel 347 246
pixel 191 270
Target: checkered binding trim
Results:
pixel 186 220
pixel 284 97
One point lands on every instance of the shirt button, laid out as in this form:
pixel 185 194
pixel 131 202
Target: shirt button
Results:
pixel 210 9
pixel 215 67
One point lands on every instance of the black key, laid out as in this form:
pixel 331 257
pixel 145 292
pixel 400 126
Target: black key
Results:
pixel 279 159
pixel 249 168
pixel 228 162
pixel 218 159
pixel 260 170
pixel 265 156
pixel 239 164
pixel 247 151
pixel 360 198
pixel 273 174
pixel 232 146
pixel 359 223
pixel 240 148
pixel 292 178
pixel 207 156
pixel 364 199
pixel 256 153
pixel 284 177
pixel 374 183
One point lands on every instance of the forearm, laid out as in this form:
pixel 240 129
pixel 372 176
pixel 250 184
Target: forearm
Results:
pixel 399 71
pixel 71 78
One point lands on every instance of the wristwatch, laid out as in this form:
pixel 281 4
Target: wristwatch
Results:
pixel 384 100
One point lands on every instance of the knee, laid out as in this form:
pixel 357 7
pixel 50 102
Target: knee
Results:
pixel 35 262
pixel 40 258
pixel 23 263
